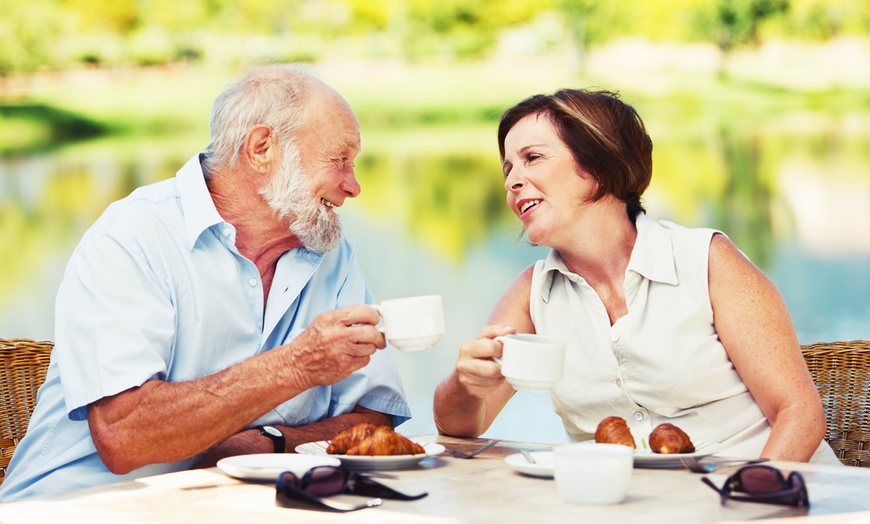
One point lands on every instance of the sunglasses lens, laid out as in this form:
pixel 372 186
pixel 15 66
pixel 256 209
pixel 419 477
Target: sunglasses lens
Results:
pixel 288 478
pixel 324 481
pixel 761 480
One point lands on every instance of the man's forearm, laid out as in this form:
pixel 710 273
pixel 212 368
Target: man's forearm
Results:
pixel 252 441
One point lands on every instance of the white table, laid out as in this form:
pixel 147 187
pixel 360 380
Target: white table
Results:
pixel 482 489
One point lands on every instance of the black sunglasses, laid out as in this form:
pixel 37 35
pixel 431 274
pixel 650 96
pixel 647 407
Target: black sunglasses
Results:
pixel 763 483
pixel 324 481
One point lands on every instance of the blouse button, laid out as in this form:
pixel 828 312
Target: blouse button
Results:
pixel 638 416
pixel 618 383
pixel 614 337
pixel 252 282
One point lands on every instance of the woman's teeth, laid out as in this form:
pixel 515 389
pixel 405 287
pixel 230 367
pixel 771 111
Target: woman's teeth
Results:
pixel 529 204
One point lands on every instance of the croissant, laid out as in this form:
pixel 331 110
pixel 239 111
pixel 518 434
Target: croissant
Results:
pixel 368 439
pixel 667 438
pixel 349 438
pixel 614 430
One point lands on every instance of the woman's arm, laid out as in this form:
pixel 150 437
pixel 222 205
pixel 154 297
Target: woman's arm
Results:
pixel 467 402
pixel 754 325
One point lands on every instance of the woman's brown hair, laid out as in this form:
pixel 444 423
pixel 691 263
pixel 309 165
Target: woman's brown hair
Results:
pixel 606 136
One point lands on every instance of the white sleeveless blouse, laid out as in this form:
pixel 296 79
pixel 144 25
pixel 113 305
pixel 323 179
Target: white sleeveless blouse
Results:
pixel 662 361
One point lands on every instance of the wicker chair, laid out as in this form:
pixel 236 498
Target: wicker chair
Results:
pixel 23 363
pixel 841 371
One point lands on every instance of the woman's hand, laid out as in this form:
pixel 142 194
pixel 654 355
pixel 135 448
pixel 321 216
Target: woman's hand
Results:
pixel 467 401
pixel 476 370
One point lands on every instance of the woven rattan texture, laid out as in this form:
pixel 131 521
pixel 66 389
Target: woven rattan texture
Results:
pixel 23 363
pixel 841 371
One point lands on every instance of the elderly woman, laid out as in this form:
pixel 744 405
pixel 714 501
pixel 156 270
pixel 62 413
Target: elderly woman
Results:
pixel 663 323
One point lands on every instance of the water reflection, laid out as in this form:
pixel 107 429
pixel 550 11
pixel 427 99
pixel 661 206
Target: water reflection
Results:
pixel 745 212
pixel 796 201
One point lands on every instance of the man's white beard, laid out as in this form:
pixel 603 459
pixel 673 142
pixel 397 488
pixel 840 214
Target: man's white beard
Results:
pixel 290 196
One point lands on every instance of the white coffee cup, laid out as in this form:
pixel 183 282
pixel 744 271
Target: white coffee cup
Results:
pixel 592 473
pixel 532 362
pixel 412 323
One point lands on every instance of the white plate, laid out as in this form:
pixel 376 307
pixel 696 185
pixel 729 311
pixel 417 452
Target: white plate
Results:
pixel 644 458
pixel 543 466
pixel 267 466
pixel 378 462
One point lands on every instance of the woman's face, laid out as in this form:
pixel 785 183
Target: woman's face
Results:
pixel 546 188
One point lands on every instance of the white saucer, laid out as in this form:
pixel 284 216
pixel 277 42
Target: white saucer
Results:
pixel 536 386
pixel 416 343
pixel 543 466
pixel 267 466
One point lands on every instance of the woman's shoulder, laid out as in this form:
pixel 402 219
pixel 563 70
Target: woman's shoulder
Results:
pixel 679 231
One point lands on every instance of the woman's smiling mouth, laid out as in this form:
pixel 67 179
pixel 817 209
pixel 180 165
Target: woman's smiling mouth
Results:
pixel 529 204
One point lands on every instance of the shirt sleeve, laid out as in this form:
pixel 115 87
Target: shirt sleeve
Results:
pixel 115 320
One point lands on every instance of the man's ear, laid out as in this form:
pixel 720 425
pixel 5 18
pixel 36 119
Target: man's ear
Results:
pixel 259 149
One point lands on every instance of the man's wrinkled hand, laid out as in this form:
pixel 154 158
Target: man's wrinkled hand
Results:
pixel 335 344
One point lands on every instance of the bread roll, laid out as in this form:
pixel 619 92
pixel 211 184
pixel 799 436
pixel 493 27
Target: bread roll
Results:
pixel 667 438
pixel 614 430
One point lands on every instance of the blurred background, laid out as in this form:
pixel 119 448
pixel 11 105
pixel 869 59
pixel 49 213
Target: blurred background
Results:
pixel 759 111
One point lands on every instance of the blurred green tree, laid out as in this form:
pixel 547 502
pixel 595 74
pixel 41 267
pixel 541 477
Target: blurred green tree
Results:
pixel 592 22
pixel 28 34
pixel 732 23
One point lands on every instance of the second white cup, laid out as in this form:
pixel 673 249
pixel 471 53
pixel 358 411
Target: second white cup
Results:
pixel 532 362
pixel 592 473
pixel 412 323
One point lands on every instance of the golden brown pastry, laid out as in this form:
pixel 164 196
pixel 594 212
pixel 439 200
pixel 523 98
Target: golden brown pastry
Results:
pixel 667 438
pixel 385 441
pixel 350 438
pixel 367 439
pixel 614 430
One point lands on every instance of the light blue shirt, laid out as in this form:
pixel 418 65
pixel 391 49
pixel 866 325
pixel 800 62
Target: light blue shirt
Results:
pixel 158 290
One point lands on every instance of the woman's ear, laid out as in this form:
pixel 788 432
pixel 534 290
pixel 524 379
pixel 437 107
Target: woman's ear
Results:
pixel 259 149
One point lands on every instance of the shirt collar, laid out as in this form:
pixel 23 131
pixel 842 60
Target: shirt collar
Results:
pixel 652 258
pixel 653 253
pixel 196 203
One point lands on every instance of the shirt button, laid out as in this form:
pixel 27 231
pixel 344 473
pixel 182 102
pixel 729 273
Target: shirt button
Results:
pixel 252 282
pixel 638 416
pixel 614 337
pixel 226 231
pixel 618 383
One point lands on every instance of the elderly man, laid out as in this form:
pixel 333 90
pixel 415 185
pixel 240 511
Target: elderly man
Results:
pixel 220 312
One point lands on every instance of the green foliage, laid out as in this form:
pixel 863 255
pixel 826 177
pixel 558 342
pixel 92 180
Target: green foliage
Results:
pixel 27 35
pixel 58 34
pixel 730 23
pixel 823 19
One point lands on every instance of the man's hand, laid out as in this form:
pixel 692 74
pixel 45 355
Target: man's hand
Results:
pixel 334 345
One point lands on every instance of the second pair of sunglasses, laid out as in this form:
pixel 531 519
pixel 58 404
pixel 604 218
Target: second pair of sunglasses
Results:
pixel 762 483
pixel 324 481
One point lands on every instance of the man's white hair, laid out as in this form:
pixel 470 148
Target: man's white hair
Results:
pixel 275 96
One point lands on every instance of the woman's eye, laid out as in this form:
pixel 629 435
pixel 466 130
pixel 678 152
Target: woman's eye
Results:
pixel 532 157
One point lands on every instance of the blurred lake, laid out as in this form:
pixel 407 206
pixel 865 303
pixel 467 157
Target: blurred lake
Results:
pixel 793 194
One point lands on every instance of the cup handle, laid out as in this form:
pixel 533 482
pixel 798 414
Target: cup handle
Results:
pixel 499 338
pixel 380 325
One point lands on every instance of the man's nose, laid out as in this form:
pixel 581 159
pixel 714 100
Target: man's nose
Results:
pixel 350 185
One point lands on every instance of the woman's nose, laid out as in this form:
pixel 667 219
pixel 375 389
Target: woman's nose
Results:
pixel 513 182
